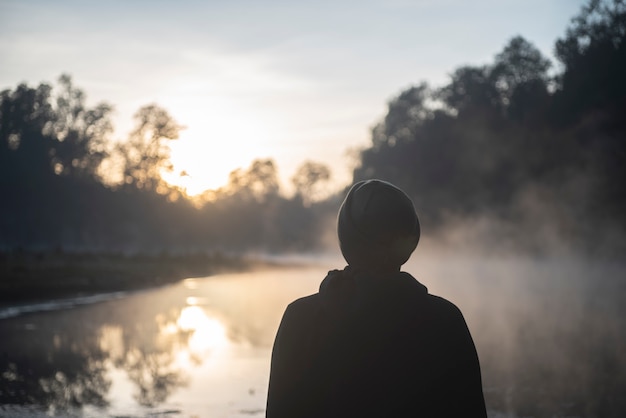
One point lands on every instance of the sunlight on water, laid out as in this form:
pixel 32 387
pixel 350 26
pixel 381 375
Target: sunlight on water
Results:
pixel 232 320
pixel 112 342
pixel 207 333
pixel 214 343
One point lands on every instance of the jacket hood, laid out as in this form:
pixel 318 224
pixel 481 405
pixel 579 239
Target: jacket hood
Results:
pixel 353 292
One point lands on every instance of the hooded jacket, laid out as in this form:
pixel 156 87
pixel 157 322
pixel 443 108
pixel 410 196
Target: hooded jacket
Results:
pixel 367 346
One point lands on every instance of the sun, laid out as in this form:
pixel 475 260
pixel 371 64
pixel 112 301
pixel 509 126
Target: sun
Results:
pixel 221 134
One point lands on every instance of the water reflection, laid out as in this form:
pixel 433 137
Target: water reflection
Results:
pixel 132 355
pixel 62 360
pixel 157 357
pixel 50 368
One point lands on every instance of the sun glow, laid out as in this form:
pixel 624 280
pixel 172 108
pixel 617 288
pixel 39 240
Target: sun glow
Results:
pixel 208 333
pixel 224 130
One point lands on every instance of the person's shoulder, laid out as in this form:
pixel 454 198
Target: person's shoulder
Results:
pixel 443 305
pixel 302 311
pixel 304 303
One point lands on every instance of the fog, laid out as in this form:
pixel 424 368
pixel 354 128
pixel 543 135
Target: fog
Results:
pixel 549 331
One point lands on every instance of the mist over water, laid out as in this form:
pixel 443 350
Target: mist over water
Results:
pixel 549 331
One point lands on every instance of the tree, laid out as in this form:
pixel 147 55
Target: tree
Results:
pixel 593 53
pixel 50 149
pixel 81 134
pixel 521 77
pixel 407 112
pixel 309 181
pixel 471 90
pixel 519 62
pixel 259 181
pixel 24 148
pixel 71 137
pixel 591 98
pixel 146 153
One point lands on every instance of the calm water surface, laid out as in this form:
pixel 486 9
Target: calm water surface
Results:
pixel 198 348
pixel 550 335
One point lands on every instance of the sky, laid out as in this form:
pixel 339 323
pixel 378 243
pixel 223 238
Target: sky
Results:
pixel 287 80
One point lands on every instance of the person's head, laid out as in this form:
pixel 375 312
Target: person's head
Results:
pixel 377 226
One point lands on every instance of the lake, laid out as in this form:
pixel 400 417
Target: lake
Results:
pixel 550 335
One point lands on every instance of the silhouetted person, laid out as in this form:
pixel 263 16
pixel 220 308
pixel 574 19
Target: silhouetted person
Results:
pixel 372 342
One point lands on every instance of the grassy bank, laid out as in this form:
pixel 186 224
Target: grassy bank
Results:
pixel 36 276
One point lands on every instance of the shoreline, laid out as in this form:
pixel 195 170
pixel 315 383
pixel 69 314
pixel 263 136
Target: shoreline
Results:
pixel 28 278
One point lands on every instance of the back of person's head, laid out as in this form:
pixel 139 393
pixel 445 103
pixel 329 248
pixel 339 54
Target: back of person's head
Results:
pixel 377 225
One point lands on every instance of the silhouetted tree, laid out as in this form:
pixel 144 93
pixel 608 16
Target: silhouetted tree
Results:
pixel 593 52
pixel 81 133
pixel 521 75
pixel 24 148
pixel 590 100
pixel 498 134
pixel 258 182
pixel 472 89
pixel 48 160
pixel 309 181
pixel 146 153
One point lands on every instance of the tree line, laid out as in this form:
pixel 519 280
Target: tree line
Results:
pixel 517 143
pixel 520 141
pixel 65 184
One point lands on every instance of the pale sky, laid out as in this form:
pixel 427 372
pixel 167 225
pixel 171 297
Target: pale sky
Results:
pixel 262 79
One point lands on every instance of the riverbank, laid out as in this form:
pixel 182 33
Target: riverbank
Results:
pixel 27 277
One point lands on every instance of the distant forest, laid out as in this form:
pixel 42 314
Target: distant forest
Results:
pixel 534 148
